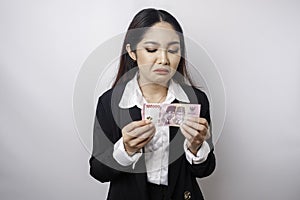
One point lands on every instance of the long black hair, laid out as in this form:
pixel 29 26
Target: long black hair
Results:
pixel 136 30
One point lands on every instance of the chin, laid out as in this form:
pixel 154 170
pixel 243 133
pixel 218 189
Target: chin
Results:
pixel 162 80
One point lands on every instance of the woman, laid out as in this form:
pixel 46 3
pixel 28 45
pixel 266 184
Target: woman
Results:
pixel 139 159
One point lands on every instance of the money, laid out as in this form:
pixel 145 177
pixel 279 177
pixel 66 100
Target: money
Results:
pixel 169 114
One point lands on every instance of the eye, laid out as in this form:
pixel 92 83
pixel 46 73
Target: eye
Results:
pixel 173 51
pixel 151 50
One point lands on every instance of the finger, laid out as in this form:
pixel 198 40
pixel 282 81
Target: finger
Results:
pixel 198 120
pixel 139 131
pixel 147 134
pixel 197 135
pixel 188 136
pixel 192 141
pixel 144 142
pixel 141 136
pixel 139 141
pixel 208 134
pixel 135 124
pixel 195 126
pixel 193 132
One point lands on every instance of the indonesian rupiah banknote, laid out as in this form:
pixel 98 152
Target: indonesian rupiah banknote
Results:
pixel 169 114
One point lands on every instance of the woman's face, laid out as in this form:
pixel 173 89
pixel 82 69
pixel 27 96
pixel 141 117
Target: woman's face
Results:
pixel 158 54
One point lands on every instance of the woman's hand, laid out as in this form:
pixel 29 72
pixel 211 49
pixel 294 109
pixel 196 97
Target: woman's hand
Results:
pixel 195 130
pixel 137 134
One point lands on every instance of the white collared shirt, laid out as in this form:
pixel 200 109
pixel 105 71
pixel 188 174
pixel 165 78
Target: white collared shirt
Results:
pixel 157 158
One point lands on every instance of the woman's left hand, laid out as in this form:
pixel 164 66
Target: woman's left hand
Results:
pixel 195 130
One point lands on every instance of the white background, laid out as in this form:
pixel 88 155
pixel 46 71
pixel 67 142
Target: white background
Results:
pixel 254 43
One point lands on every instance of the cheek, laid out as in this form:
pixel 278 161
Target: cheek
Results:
pixel 144 59
pixel 175 61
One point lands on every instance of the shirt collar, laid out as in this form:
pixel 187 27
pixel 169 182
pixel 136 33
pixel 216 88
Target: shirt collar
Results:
pixel 132 95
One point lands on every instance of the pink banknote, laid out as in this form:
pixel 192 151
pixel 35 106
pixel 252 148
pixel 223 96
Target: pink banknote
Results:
pixel 169 114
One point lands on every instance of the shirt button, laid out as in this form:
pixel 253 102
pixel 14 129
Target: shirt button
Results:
pixel 187 195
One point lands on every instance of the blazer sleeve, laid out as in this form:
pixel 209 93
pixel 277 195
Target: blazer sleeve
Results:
pixel 103 166
pixel 207 167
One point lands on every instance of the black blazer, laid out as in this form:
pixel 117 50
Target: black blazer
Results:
pixel 129 184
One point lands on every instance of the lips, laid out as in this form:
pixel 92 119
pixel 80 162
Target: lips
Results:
pixel 161 71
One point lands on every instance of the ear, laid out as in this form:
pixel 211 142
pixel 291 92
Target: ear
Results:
pixel 130 52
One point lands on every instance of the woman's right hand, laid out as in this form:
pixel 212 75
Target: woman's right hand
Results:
pixel 137 134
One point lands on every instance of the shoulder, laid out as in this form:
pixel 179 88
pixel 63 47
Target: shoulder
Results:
pixel 194 92
pixel 107 103
pixel 114 93
pixel 106 96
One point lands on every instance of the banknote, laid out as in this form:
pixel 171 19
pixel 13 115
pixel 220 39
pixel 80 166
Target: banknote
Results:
pixel 169 114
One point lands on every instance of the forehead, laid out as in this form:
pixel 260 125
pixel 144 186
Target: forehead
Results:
pixel 162 33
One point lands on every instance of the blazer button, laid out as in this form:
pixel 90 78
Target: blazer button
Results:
pixel 187 195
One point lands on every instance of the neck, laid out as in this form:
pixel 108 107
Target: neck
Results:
pixel 153 92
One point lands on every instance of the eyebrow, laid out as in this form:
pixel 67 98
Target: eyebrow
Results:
pixel 156 43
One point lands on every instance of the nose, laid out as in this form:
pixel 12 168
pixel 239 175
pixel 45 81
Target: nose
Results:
pixel 163 57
